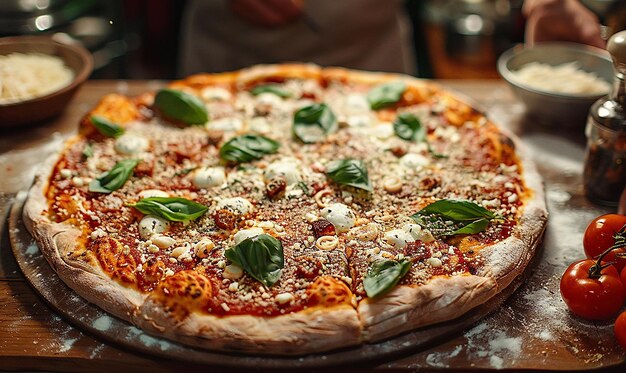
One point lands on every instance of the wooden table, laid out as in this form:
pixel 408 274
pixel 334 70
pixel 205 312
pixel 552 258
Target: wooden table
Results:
pixel 532 330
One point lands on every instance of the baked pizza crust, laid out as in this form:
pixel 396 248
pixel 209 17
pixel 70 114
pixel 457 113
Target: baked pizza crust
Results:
pixel 320 328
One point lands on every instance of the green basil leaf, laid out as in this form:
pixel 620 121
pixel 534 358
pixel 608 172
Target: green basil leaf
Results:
pixel 449 217
pixel 457 210
pixel 408 127
pixel 181 106
pixel 106 127
pixel 171 208
pixel 384 275
pixel 115 178
pixel 270 88
pixel 385 95
pixel 312 123
pixel 350 172
pixel 260 256
pixel 475 227
pixel 247 148
pixel 88 151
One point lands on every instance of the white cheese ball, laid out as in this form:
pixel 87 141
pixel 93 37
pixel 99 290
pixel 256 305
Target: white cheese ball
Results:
pixel 208 177
pixel 129 144
pixel 228 124
pixel 340 216
pixel 418 233
pixel 247 233
pixel 215 94
pixel 398 238
pixel 285 168
pixel 414 161
pixel 151 225
pixel 356 103
pixel 259 125
pixel 269 99
pixel 233 272
pixel 237 205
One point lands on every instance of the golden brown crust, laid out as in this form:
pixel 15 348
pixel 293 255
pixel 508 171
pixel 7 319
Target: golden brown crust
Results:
pixel 332 318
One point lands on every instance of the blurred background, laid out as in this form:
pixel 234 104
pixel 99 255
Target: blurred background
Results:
pixel 139 39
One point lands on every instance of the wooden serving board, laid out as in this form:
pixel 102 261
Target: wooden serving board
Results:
pixel 94 320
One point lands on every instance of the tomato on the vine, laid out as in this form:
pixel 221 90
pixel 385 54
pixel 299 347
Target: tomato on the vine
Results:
pixel 594 293
pixel 620 329
pixel 601 234
pixel 622 276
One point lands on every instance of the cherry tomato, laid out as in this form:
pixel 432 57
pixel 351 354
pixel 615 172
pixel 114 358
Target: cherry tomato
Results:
pixel 620 329
pixel 592 298
pixel 600 235
pixel 622 276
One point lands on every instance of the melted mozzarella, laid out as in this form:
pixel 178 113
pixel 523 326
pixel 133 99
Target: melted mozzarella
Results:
pixel 356 103
pixel 259 125
pixel 153 193
pixel 247 233
pixel 340 216
pixel 129 144
pixel 215 94
pixel 285 168
pixel 151 225
pixel 398 238
pixel 228 124
pixel 269 99
pixel 208 177
pixel 237 205
pixel 414 161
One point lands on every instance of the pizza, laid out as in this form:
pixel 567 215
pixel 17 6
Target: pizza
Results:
pixel 288 209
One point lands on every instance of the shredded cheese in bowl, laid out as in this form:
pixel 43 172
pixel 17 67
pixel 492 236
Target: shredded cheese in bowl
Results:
pixel 566 78
pixel 27 76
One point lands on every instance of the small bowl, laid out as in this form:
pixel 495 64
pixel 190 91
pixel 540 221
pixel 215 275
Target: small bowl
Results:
pixel 556 108
pixel 77 58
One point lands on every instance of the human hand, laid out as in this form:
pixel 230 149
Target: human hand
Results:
pixel 561 20
pixel 268 13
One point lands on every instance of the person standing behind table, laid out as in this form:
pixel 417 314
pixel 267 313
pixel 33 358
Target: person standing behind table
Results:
pixel 226 35
pixel 564 20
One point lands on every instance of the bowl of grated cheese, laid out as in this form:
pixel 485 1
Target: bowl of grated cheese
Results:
pixel 557 82
pixel 38 77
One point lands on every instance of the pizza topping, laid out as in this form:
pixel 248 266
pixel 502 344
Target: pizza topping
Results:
pixel 208 177
pixel 115 178
pixel 327 243
pixel 383 276
pixel 246 148
pixel 163 242
pixel 273 89
pixel 233 272
pixel 449 217
pixel 392 184
pixel 203 247
pixel 284 298
pixel 227 124
pixel 153 193
pixel 238 205
pixel 385 95
pixel 171 208
pixel 322 227
pixel 340 216
pixel 408 127
pixel 181 106
pixel 106 127
pixel 313 123
pixel 247 233
pixel 215 94
pixel 286 168
pixel 414 161
pixel 356 104
pixel 260 256
pixel 350 172
pixel 129 144
pixel 151 225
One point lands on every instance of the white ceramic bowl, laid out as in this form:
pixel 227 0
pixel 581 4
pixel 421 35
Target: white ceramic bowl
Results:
pixel 556 108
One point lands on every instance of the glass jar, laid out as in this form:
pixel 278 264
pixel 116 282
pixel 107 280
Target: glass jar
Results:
pixel 604 174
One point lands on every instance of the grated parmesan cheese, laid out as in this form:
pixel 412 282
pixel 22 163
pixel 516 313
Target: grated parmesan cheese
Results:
pixel 27 76
pixel 566 78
